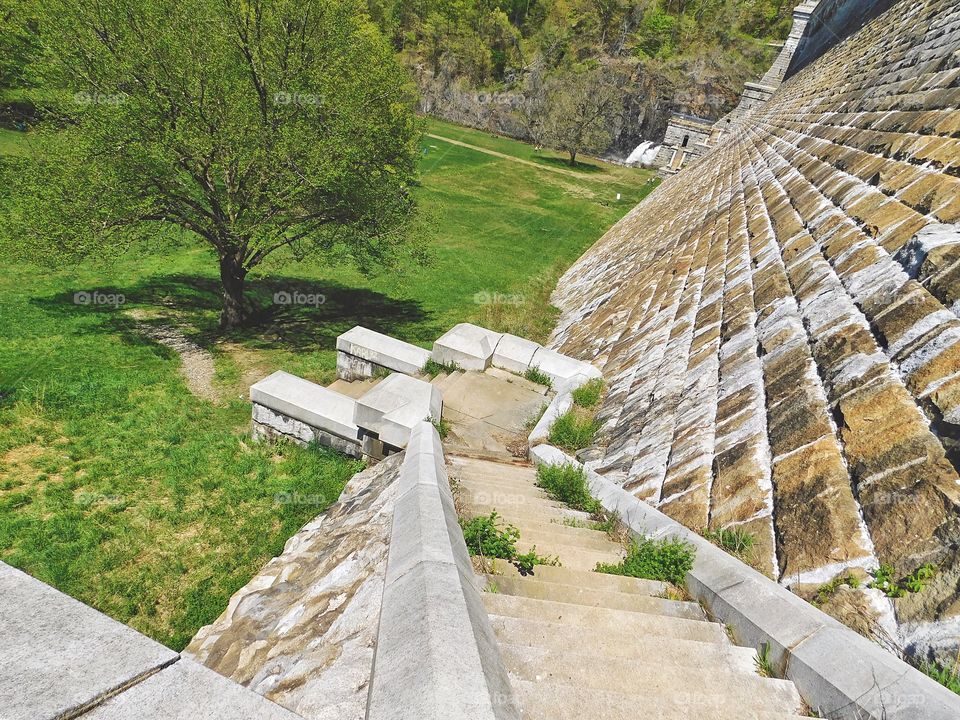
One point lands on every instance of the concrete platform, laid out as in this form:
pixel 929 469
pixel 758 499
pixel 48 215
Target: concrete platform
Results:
pixel 469 346
pixel 308 402
pixel 395 406
pixel 58 656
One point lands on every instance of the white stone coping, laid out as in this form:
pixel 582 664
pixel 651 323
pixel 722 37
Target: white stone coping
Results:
pixel 838 672
pixel 308 402
pixel 469 346
pixel 395 406
pixel 514 354
pixel 560 404
pixel 437 657
pixel 383 350
pixel 63 659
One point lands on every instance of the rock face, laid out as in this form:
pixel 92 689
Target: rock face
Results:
pixel 302 632
pixel 779 326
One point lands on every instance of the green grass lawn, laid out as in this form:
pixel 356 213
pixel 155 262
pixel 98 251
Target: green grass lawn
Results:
pixel 121 488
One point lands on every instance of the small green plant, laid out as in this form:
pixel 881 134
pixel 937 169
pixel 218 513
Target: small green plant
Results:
pixel 588 394
pixel 828 590
pixel 492 587
pixel 485 538
pixel 949 677
pixel 568 484
pixel 433 368
pixel 884 579
pixel 736 541
pixel 442 426
pixel 572 432
pixel 668 560
pixel 763 662
pixel 381 372
pixel 538 376
pixel 609 523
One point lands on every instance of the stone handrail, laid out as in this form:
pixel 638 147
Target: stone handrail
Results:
pixel 839 673
pixel 436 657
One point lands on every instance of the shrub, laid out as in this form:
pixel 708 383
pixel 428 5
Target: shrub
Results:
pixel 572 432
pixel 485 538
pixel 535 374
pixel 588 394
pixel 668 560
pixel 568 484
pixel 442 426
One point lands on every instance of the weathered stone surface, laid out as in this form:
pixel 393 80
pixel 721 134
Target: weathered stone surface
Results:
pixel 469 346
pixel 307 402
pixel 380 350
pixel 514 353
pixel 187 690
pixel 813 257
pixel 302 631
pixel 60 655
pixel 392 408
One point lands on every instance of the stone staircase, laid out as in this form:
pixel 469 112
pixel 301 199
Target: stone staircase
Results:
pixel 583 644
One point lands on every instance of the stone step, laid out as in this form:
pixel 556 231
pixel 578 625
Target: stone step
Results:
pixel 631 602
pixel 516 515
pixel 563 535
pixel 587 619
pixel 583 578
pixel 503 484
pixel 558 701
pixel 476 468
pixel 507 496
pixel 647 678
pixel 572 556
pixel 573 526
pixel 610 643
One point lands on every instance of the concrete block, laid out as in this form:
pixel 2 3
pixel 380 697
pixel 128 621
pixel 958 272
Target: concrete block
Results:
pixel 60 655
pixel 274 425
pixel 394 407
pixel 308 402
pixel 549 455
pixel 561 367
pixel 514 354
pixel 382 350
pixel 469 346
pixel 560 404
pixel 187 690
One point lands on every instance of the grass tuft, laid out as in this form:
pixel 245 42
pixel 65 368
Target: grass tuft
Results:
pixel 442 425
pixel 762 661
pixel 536 375
pixel 588 394
pixel 735 541
pixel 572 431
pixel 568 484
pixel 949 677
pixel 667 560
pixel 486 539
pixel 433 368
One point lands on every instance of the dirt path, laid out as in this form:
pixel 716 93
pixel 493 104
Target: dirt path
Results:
pixel 196 364
pixel 504 156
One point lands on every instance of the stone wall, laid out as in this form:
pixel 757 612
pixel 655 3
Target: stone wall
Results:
pixel 779 327
pixel 302 631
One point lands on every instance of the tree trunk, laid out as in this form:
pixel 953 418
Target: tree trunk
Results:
pixel 573 158
pixel 232 276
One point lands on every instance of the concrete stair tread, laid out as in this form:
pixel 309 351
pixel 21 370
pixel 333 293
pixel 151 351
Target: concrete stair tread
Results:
pixel 561 535
pixel 572 556
pixel 584 578
pixel 609 643
pixel 587 617
pixel 529 587
pixel 479 468
pixel 508 497
pixel 559 701
pixel 643 676
pixel 517 514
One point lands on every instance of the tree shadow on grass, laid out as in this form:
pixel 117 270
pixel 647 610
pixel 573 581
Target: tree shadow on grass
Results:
pixel 580 167
pixel 295 314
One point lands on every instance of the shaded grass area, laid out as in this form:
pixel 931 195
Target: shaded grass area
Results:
pixel 122 489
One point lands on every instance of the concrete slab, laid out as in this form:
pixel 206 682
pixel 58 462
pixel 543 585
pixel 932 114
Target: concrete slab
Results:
pixel 395 406
pixel 469 346
pixel 561 367
pixel 383 350
pixel 59 655
pixel 308 402
pixel 514 353
pixel 187 690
